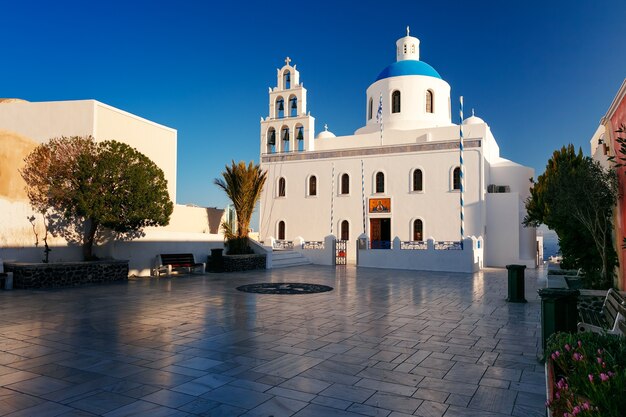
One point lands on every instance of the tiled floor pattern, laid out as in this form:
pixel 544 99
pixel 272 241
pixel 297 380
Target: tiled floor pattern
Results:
pixel 382 343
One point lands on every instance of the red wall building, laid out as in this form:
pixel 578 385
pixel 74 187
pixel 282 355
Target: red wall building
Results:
pixel 612 120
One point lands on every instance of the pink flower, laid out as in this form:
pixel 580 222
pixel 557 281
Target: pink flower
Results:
pixel 604 377
pixel 611 373
pixel 557 353
pixel 599 351
pixel 567 347
pixel 577 356
pixel 586 405
pixel 580 344
pixel 599 360
pixel 590 378
pixel 576 410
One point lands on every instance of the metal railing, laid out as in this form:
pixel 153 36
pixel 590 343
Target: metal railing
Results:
pixel 414 245
pixel 448 245
pixel 313 244
pixel 283 244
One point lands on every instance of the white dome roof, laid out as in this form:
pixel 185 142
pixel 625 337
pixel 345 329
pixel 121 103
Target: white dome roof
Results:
pixel 325 133
pixel 473 120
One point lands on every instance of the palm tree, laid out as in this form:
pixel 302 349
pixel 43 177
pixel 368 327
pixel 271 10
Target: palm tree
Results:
pixel 243 185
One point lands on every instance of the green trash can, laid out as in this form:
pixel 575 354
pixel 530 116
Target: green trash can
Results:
pixel 559 312
pixel 216 263
pixel 516 283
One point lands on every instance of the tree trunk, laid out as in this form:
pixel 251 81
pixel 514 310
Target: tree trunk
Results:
pixel 91 226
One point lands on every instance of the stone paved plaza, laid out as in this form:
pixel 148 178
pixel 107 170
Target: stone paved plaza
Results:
pixel 382 343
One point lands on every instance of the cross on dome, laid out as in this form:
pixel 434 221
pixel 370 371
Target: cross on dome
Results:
pixel 408 31
pixel 325 127
pixel 287 60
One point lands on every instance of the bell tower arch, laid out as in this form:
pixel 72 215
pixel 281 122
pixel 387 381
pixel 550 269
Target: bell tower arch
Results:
pixel 288 126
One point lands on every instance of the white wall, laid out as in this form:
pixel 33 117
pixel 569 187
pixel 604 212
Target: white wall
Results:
pixel 467 260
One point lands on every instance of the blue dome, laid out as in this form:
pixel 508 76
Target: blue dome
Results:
pixel 408 67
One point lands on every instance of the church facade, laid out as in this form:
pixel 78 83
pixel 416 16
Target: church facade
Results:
pixel 397 178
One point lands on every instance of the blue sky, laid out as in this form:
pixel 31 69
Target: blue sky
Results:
pixel 540 73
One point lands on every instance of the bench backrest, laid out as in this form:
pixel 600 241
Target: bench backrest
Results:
pixel 177 259
pixel 613 305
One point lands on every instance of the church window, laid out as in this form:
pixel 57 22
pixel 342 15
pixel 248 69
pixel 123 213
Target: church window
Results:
pixel 405 48
pixel 282 187
pixel 412 48
pixel 417 180
pixel 345 230
pixel 345 184
pixel 395 102
pixel 370 108
pixel 430 102
pixel 380 182
pixel 312 185
pixel 456 178
pixel 418 230
pixel 287 79
pixel 281 230
pixel 280 107
pixel 293 106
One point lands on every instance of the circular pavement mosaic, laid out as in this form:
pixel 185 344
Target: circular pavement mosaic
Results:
pixel 284 288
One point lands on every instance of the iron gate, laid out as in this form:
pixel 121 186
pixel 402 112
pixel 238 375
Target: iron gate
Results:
pixel 341 252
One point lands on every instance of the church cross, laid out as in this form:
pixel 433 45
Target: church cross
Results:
pixel 287 60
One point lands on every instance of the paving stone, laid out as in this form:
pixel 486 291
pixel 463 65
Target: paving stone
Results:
pixel 238 397
pixel 348 393
pixel 431 409
pixel 392 388
pixel 493 399
pixel 277 407
pixel 304 384
pixel 369 410
pixel 394 402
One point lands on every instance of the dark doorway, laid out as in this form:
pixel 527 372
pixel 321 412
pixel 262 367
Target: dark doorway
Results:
pixel 380 233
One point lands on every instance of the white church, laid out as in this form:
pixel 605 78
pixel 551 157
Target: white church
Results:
pixel 396 181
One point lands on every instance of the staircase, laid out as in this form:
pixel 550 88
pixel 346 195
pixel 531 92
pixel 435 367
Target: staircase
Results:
pixel 285 258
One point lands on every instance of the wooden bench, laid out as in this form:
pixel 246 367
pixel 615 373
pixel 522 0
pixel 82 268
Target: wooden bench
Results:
pixel 608 320
pixel 177 261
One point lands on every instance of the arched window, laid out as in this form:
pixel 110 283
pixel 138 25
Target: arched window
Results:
pixel 412 48
pixel 284 135
pixel 370 108
pixel 293 106
pixel 287 79
pixel 430 102
pixel 300 137
pixel 312 185
pixel 418 230
pixel 417 180
pixel 280 108
pixel 345 230
pixel 405 48
pixel 281 230
pixel 380 182
pixel 456 178
pixel 395 102
pixel 282 187
pixel 345 184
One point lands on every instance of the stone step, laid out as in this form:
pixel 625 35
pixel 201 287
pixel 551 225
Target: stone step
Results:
pixel 284 259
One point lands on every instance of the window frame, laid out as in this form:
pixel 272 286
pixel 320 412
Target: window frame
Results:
pixel 413 231
pixel 454 177
pixel 395 109
pixel 413 182
pixel 281 188
pixel 344 190
pixel 377 175
pixel 311 177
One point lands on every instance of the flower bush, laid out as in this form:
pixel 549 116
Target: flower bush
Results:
pixel 590 374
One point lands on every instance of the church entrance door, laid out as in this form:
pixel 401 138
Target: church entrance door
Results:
pixel 380 233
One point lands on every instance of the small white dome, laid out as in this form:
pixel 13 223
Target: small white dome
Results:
pixel 324 134
pixel 473 120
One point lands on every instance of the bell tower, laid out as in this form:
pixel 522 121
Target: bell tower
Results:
pixel 288 127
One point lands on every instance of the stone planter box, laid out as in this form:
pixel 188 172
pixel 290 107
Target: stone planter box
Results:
pixel 234 263
pixel 65 274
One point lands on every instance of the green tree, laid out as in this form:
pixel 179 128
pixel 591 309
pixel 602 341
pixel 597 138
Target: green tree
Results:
pixel 85 187
pixel 575 197
pixel 243 184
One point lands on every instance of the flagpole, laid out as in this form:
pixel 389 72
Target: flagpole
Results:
pixel 462 179
pixel 379 117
